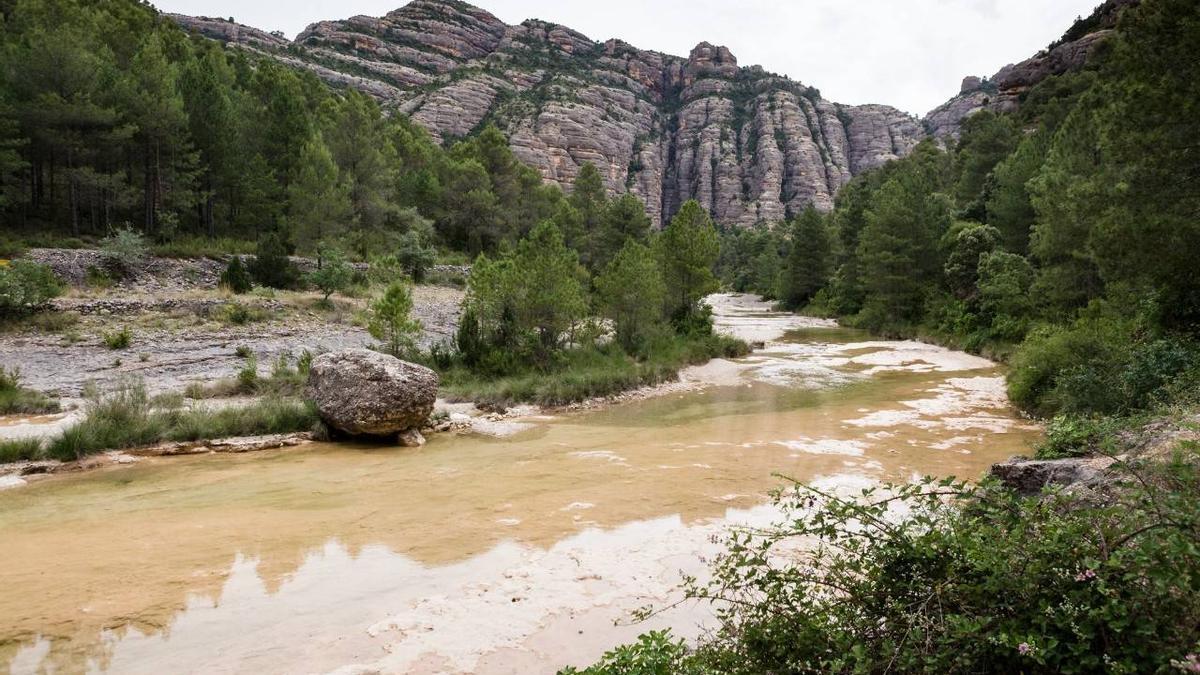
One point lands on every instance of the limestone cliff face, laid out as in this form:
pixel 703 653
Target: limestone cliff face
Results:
pixel 748 145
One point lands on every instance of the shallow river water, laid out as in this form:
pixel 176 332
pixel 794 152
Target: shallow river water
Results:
pixel 475 554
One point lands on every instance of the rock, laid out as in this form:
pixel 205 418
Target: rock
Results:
pixel 1031 476
pixel 750 146
pixel 366 393
pixel 411 438
pixel 970 83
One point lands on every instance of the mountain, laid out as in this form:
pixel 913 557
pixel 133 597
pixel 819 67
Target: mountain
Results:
pixel 749 145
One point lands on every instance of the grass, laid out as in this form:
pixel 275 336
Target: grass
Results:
pixel 126 417
pixel 203 247
pixel 591 372
pixel 284 380
pixel 17 400
pixel 237 314
pixel 21 450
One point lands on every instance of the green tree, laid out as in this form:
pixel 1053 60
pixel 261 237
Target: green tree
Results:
pixel 1004 283
pixel 807 267
pixel 553 298
pixel 1009 204
pixel 320 202
pixel 415 255
pixel 687 250
pixel 622 219
pixel 897 249
pixel 334 275
pixel 271 266
pixel 631 292
pixel 971 242
pixel 390 320
pixel 236 277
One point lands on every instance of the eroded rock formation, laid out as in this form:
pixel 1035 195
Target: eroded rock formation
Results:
pixel 748 145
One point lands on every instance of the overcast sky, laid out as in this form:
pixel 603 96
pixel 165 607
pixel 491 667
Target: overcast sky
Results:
pixel 908 53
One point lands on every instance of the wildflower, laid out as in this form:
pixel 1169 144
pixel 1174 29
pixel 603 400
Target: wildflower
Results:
pixel 1025 649
pixel 1086 575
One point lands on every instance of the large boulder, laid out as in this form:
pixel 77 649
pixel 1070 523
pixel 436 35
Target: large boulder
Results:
pixel 366 393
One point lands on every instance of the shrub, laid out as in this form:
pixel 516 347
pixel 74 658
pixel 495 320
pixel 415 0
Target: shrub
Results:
pixel 247 377
pixel 334 274
pixel 117 339
pixel 98 279
pixel 942 577
pixel 238 314
pixel 25 286
pixel 236 277
pixel 124 251
pixel 415 256
pixel 272 267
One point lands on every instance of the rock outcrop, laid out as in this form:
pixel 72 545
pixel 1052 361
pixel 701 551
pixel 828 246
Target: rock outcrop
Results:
pixel 1002 91
pixel 365 393
pixel 748 145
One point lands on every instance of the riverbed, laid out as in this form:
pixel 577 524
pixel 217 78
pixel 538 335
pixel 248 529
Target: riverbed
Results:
pixel 510 552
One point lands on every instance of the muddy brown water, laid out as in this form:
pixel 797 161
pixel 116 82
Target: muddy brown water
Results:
pixel 475 553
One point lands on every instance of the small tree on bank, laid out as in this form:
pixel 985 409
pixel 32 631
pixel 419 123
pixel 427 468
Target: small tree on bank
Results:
pixel 687 250
pixel 390 320
pixel 631 293
pixel 807 268
pixel 236 278
pixel 334 275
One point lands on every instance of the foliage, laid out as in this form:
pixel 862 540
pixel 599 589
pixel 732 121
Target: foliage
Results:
pixel 390 320
pixel 939 576
pixel 807 267
pixel 272 267
pixel 526 300
pixel 631 293
pixel 125 417
pixel 18 400
pixel 25 286
pixel 236 277
pixel 124 251
pixel 655 653
pixel 333 274
pixel 415 255
pixel 117 339
pixel 687 250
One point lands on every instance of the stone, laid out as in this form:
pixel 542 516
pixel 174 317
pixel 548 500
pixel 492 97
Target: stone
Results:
pixel 1030 476
pixel 411 438
pixel 365 393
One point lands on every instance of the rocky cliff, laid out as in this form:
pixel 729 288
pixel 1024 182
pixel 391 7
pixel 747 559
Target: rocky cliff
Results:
pixel 749 145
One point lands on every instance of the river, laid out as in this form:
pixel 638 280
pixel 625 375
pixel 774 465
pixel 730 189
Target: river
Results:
pixel 507 553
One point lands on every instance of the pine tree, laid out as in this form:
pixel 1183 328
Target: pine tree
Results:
pixel 319 200
pixel 623 219
pixel 807 267
pixel 631 292
pixel 391 322
pixel 687 250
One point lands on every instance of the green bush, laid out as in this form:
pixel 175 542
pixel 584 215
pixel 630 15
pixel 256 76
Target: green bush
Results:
pixel 1076 436
pixel 1096 365
pixel 236 277
pixel 335 273
pixel 238 314
pixel 124 251
pixel 943 577
pixel 25 286
pixel 117 339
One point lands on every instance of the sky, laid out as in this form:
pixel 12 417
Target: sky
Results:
pixel 911 54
